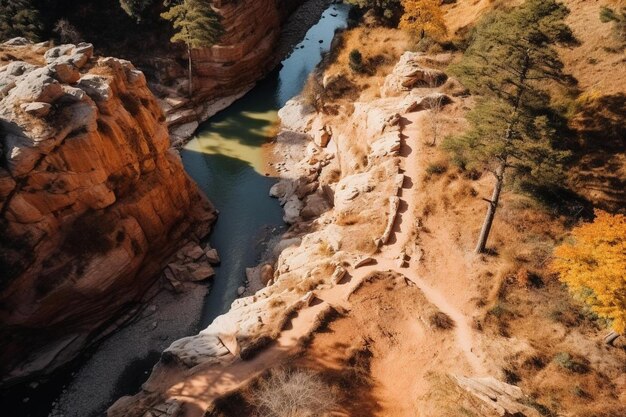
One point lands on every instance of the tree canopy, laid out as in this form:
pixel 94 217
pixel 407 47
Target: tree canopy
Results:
pixel 423 17
pixel 593 266
pixel 135 8
pixel 195 22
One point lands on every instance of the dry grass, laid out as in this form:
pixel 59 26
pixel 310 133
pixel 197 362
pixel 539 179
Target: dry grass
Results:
pixel 380 47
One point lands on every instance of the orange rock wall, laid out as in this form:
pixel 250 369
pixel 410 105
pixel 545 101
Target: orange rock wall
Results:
pixel 92 202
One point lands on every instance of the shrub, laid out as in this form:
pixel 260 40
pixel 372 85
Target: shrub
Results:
pixel 441 320
pixel 566 361
pixel 436 168
pixel 356 61
pixel 293 393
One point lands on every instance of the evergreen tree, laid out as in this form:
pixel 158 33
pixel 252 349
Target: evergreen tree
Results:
pixel 197 25
pixel 423 17
pixel 135 8
pixel 19 18
pixel 508 62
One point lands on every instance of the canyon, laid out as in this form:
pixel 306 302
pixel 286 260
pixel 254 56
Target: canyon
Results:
pixel 352 265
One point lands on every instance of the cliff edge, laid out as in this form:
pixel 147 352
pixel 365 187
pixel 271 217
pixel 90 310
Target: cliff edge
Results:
pixel 92 200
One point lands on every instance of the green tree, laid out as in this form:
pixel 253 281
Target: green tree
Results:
pixel 19 18
pixel 135 8
pixel 197 25
pixel 386 8
pixel 508 63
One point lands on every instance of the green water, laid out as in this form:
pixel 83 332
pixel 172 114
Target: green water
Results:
pixel 226 160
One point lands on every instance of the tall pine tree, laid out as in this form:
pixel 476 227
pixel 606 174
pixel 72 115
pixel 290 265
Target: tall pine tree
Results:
pixel 509 62
pixel 197 25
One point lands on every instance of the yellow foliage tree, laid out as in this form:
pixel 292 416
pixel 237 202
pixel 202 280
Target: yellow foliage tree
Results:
pixel 594 266
pixel 423 17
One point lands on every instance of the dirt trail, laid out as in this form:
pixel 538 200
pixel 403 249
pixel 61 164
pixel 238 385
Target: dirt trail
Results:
pixel 206 384
pixel 404 225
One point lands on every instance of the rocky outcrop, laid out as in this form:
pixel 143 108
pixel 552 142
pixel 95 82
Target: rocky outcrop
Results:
pixel 92 201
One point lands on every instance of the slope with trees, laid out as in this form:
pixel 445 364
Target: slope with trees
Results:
pixel 508 64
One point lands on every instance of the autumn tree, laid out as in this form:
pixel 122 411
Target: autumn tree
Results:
pixel 197 25
pixel 593 265
pixel 510 59
pixel 423 18
pixel 19 18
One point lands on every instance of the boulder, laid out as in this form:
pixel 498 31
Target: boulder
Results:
pixel 96 87
pixel 367 260
pixel 296 115
pixel 19 41
pixel 409 73
pixel 192 251
pixel 503 398
pixel 201 272
pixel 37 85
pixel 292 209
pixel 65 72
pixel 36 109
pixel 388 144
pixel 321 133
pixel 212 256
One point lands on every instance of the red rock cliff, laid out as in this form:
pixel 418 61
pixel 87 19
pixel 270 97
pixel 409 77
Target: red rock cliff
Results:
pixel 92 200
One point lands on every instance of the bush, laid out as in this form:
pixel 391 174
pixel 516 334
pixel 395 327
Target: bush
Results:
pixel 436 168
pixel 293 393
pixel 566 361
pixel 356 61
pixel 441 320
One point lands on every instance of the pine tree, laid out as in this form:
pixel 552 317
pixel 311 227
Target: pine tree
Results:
pixel 594 266
pixel 423 17
pixel 197 25
pixel 508 62
pixel 19 18
pixel 135 8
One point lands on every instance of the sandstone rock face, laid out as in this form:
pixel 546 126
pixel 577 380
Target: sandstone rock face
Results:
pixel 92 201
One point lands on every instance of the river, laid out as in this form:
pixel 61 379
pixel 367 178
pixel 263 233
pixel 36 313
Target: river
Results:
pixel 226 159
